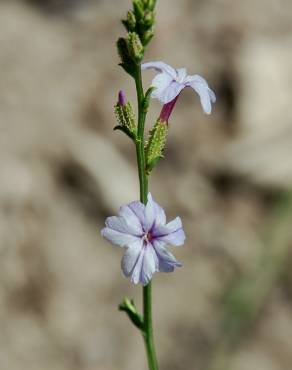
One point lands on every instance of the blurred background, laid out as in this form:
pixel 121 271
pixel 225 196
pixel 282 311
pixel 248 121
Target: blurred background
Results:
pixel 228 175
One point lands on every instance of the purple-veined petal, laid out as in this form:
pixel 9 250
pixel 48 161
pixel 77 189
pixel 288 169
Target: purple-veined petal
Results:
pixel 166 260
pixel 128 214
pixel 150 213
pixel 160 67
pixel 171 233
pixel 122 225
pixel 160 218
pixel 136 272
pixel 149 265
pixel 118 238
pixel 139 209
pixel 171 92
pixel 131 257
pixel 160 82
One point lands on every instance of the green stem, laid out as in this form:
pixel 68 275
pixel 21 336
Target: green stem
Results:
pixel 143 181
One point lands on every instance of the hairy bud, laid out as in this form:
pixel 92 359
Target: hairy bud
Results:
pixel 125 115
pixel 135 47
pixel 156 144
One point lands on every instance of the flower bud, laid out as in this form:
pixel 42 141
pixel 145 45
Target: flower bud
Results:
pixel 130 22
pixel 125 114
pixel 122 98
pixel 147 36
pixel 138 9
pixel 131 19
pixel 156 144
pixel 126 59
pixel 135 47
pixel 123 50
pixel 149 18
pixel 149 4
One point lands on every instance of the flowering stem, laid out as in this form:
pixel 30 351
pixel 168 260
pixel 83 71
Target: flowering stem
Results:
pixel 143 181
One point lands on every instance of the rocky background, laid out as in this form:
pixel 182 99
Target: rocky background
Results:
pixel 63 170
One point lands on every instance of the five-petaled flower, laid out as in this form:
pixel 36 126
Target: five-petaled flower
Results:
pixel 144 232
pixel 170 82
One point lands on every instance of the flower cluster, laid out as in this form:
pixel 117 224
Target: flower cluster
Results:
pixel 143 231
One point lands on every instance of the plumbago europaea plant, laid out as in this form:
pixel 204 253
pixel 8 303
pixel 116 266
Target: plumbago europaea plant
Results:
pixel 141 226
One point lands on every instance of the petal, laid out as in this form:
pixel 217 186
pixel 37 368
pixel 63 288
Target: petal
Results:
pixel 121 224
pixel 160 67
pixel 118 238
pixel 166 261
pixel 127 213
pixel 196 78
pixel 212 95
pixel 181 74
pixel 139 209
pixel 131 256
pixel 136 273
pixel 160 82
pixel 171 233
pixel 150 264
pixel 171 92
pixel 150 213
pixel 207 96
pixel 160 218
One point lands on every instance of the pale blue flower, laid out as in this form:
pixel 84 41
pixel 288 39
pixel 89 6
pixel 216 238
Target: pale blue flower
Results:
pixel 169 82
pixel 143 231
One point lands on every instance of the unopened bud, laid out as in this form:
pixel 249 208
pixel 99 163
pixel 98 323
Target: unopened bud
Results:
pixel 131 20
pixel 122 98
pixel 138 9
pixel 149 4
pixel 149 19
pixel 156 144
pixel 123 50
pixel 147 36
pixel 125 114
pixel 135 47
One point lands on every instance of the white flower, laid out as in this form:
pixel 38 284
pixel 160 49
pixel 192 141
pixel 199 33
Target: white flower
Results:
pixel 143 231
pixel 169 82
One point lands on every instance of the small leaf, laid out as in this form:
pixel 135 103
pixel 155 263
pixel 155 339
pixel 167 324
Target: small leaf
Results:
pixel 129 307
pixel 126 131
pixel 147 97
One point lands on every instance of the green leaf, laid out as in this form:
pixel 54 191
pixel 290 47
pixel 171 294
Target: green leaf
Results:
pixel 129 307
pixel 147 97
pixel 126 131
